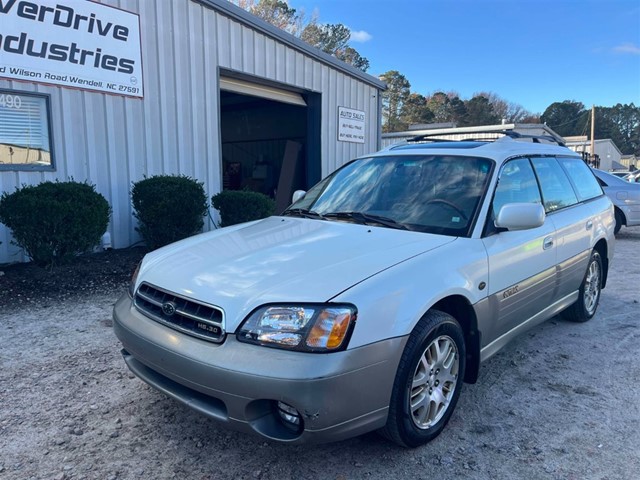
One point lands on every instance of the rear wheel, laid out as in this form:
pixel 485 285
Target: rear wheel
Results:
pixel 428 381
pixel 585 307
pixel 619 221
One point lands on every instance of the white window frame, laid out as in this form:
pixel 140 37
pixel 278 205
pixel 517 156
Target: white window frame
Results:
pixel 44 127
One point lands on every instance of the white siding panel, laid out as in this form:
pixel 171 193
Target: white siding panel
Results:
pixel 248 52
pixel 222 43
pixel 281 65
pixel 182 73
pixel 290 70
pixel 234 45
pixel 308 82
pixel 73 141
pixel 270 57
pixel 196 90
pixel 319 72
pixel 260 55
pixel 117 192
pixel 151 103
pixel 167 93
pixel 299 69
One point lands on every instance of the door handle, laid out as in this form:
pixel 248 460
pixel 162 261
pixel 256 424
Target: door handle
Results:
pixel 589 225
pixel 548 243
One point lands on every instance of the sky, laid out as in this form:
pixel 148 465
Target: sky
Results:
pixel 529 52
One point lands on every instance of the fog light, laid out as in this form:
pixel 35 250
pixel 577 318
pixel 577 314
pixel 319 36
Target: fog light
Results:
pixel 290 416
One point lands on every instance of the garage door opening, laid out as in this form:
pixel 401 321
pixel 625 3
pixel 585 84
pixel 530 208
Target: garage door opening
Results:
pixel 270 140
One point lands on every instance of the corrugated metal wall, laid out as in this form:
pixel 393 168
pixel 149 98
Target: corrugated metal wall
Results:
pixel 112 141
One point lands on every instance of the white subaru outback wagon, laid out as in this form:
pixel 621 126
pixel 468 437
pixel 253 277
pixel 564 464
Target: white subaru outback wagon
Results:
pixel 375 295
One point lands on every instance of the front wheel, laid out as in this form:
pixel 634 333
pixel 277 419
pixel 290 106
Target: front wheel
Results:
pixel 428 381
pixel 589 297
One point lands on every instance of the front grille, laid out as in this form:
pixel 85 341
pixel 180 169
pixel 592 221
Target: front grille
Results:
pixel 193 318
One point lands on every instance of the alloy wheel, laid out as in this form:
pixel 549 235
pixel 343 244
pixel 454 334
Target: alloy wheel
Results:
pixel 434 382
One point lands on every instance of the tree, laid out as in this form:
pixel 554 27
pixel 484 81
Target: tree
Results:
pixel 415 110
pixel 566 118
pixel 393 99
pixel 621 123
pixel 334 40
pixel 327 37
pixel 480 112
pixel 447 107
pixel 509 111
pixel 330 38
pixel 438 103
pixel 351 56
pixel 457 110
pixel 276 12
pixel 531 118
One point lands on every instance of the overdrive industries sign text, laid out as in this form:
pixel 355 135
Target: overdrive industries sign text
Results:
pixel 77 43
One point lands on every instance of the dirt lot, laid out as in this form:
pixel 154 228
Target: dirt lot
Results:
pixel 561 402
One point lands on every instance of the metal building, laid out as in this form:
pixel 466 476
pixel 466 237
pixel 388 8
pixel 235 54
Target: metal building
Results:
pixel 605 150
pixel 114 91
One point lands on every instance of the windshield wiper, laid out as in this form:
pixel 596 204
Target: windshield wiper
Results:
pixel 367 219
pixel 303 212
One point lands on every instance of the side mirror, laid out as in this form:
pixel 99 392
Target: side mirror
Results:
pixel 520 216
pixel 297 195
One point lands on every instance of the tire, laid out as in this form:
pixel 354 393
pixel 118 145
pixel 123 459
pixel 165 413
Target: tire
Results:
pixel 585 307
pixel 428 381
pixel 619 222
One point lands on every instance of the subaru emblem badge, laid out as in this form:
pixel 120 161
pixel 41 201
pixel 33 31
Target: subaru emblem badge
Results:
pixel 169 308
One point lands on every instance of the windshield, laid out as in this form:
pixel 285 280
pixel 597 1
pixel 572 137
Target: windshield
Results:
pixel 426 193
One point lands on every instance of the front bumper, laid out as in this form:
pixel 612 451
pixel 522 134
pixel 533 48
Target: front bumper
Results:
pixel 338 395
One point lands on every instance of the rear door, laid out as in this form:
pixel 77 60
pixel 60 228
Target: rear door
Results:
pixel 564 199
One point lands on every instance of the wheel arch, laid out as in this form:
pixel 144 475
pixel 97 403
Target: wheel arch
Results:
pixel 619 211
pixel 460 308
pixel 603 249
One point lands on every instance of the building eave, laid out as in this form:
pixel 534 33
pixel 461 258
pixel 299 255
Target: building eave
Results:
pixel 233 11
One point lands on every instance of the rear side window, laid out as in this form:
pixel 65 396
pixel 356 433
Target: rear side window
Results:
pixel 557 191
pixel 584 181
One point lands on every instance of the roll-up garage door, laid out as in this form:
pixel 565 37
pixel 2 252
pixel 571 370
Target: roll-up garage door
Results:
pixel 272 93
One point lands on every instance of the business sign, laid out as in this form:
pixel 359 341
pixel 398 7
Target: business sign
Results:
pixel 351 125
pixel 76 43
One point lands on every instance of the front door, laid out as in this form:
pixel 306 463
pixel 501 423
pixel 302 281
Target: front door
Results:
pixel 522 263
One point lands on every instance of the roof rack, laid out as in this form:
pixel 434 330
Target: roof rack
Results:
pixel 430 137
pixel 534 138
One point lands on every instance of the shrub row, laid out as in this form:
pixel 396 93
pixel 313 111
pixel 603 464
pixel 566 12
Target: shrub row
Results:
pixel 54 221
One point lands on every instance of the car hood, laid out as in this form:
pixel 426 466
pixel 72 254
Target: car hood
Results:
pixel 279 259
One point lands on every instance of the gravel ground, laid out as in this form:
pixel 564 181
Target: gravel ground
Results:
pixel 560 402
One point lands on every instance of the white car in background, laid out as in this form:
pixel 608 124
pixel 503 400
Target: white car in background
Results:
pixel 625 196
pixel 633 177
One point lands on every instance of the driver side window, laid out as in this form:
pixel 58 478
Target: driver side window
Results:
pixel 517 184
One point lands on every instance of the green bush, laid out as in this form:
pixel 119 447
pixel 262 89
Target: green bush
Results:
pixel 54 221
pixel 238 206
pixel 168 208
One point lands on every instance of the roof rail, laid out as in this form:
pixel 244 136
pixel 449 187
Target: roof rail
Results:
pixel 430 137
pixel 534 138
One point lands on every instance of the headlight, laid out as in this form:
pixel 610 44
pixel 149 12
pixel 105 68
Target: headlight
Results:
pixel 134 277
pixel 310 328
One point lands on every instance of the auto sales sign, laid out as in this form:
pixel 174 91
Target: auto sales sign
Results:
pixel 76 43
